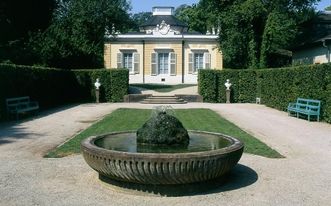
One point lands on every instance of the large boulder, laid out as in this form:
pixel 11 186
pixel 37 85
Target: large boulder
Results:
pixel 163 129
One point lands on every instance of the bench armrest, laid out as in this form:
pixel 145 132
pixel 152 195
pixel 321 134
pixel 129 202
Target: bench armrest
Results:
pixel 292 105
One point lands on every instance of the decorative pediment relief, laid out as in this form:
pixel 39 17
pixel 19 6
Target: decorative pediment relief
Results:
pixel 162 29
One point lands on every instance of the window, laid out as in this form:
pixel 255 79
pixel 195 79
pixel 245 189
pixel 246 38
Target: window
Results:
pixel 128 61
pixel 163 63
pixel 198 61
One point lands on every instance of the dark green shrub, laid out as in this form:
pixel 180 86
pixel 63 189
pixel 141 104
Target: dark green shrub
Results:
pixel 327 107
pixel 119 85
pixel 208 85
pixel 275 87
pixel 52 87
pixel 247 86
pixel 281 86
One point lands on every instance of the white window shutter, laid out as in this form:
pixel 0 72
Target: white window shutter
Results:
pixel 173 62
pixel 207 60
pixel 154 64
pixel 119 60
pixel 136 65
pixel 190 63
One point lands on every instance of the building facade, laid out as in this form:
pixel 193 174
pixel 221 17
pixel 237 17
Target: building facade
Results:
pixel 316 49
pixel 163 51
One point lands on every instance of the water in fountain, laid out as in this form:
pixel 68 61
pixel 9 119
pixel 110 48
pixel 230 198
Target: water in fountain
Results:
pixel 127 142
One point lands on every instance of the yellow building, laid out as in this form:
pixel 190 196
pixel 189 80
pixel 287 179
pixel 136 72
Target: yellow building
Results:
pixel 163 51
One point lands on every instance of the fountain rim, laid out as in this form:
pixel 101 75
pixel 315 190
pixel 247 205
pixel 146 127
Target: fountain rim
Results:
pixel 235 144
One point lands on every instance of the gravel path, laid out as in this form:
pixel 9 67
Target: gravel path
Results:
pixel 302 178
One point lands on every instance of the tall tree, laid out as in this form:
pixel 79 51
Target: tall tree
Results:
pixel 198 19
pixel 17 20
pixel 76 37
pixel 139 19
pixel 254 32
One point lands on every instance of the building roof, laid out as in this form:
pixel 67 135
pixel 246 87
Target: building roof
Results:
pixel 169 19
pixel 324 17
pixel 320 31
pixel 179 37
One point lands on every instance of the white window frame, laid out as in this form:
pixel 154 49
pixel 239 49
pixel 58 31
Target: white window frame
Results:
pixel 206 59
pixel 158 63
pixel 171 63
pixel 131 70
pixel 195 68
pixel 121 61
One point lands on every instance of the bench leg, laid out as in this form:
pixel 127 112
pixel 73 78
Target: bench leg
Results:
pixel 308 117
pixel 318 118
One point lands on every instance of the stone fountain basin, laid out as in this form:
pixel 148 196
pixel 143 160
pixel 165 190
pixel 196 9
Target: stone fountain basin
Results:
pixel 162 168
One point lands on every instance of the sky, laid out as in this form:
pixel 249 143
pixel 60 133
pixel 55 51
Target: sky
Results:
pixel 146 5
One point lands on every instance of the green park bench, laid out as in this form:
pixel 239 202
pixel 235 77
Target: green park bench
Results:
pixel 20 105
pixel 307 107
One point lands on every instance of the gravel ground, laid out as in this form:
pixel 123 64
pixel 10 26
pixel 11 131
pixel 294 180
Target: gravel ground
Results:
pixel 302 178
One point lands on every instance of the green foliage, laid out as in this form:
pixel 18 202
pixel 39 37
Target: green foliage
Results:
pixel 247 86
pixel 253 33
pixel 280 30
pixel 275 87
pixel 163 129
pixel 192 119
pixel 208 85
pixel 76 36
pixel 140 18
pixel 52 87
pixel 327 108
pixel 119 81
pixel 18 19
pixel 197 19
pixel 243 85
pixel 66 34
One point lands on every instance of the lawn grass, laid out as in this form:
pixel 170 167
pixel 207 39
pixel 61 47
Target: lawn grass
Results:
pixel 162 87
pixel 192 119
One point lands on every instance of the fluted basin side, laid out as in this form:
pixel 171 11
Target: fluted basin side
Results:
pixel 162 168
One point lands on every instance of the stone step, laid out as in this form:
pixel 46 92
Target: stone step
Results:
pixel 163 100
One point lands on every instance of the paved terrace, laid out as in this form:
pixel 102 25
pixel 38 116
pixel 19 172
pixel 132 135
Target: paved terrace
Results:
pixel 302 178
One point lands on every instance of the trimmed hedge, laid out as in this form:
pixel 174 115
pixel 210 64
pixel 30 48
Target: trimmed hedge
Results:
pixel 52 87
pixel 208 85
pixel 275 87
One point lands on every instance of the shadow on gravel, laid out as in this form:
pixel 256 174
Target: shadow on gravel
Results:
pixel 241 176
pixel 13 130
